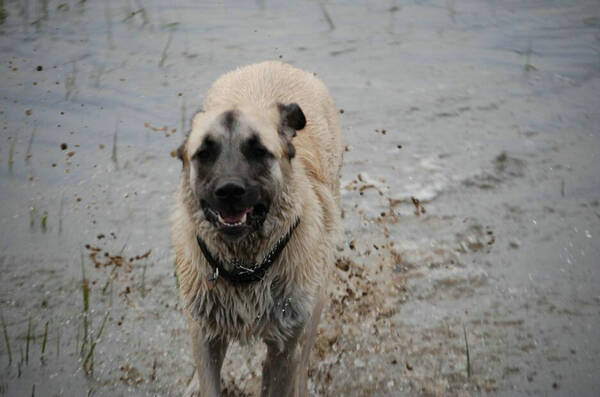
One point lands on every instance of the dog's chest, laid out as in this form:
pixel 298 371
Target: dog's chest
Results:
pixel 246 312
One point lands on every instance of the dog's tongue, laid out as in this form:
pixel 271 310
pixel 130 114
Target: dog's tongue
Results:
pixel 236 218
pixel 233 218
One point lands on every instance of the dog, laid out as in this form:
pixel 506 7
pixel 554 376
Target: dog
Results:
pixel 257 220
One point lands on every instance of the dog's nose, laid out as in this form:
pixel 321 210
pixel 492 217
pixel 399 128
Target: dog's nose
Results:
pixel 230 189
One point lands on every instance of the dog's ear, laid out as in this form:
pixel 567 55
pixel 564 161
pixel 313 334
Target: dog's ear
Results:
pixel 292 118
pixel 181 152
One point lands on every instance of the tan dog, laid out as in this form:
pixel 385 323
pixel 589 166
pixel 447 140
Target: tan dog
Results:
pixel 257 220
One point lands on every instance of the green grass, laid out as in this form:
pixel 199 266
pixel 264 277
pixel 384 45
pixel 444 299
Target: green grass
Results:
pixel 88 362
pixel 109 280
pixel 6 340
pixel 77 341
pixel 327 16
pixel 528 67
pixel 3 13
pixel 165 50
pixel 108 20
pixel 11 154
pixel 71 82
pixel 28 154
pixel 27 340
pixel 44 341
pixel 57 342
pixel 21 361
pixel 85 290
pixel 153 374
pixel 468 353
pixel 32 216
pixel 44 8
pixel 170 25
pixel 115 142
pixel 142 13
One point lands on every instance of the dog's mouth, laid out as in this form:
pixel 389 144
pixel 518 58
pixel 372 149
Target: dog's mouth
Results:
pixel 231 220
pixel 236 222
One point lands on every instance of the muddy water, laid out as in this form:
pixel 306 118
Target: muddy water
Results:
pixel 485 113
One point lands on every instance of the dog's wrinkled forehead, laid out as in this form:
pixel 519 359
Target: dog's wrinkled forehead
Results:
pixel 233 126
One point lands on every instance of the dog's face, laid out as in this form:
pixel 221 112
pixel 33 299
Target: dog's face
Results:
pixel 233 162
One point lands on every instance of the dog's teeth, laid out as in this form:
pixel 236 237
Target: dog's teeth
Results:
pixel 224 222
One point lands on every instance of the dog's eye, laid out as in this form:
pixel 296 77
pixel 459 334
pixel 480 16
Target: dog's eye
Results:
pixel 254 149
pixel 259 151
pixel 202 154
pixel 206 152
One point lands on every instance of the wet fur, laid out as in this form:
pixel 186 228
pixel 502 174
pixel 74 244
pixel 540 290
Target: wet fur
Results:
pixel 283 308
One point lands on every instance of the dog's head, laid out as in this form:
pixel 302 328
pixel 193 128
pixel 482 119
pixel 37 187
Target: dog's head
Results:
pixel 234 162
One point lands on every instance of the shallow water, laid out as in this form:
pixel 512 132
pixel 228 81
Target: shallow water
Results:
pixel 491 118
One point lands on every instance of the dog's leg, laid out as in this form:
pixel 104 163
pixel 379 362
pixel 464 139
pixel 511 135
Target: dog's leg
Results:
pixel 285 372
pixel 280 369
pixel 307 342
pixel 208 356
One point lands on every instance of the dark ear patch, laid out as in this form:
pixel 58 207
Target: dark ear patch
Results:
pixel 292 120
pixel 292 116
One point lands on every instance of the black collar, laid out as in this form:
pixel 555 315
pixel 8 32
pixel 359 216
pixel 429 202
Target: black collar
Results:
pixel 241 273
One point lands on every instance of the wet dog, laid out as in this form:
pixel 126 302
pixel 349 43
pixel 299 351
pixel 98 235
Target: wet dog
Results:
pixel 257 219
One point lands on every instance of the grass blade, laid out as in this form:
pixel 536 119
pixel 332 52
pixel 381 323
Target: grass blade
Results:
pixel 89 358
pixel 44 341
pixel 20 365
pixel 164 55
pixel 6 339
pixel 28 154
pixel 327 16
pixel 58 342
pixel 27 342
pixel 114 148
pixel 468 353
pixel 85 289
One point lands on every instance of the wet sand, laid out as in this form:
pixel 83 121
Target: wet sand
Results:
pixel 471 192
